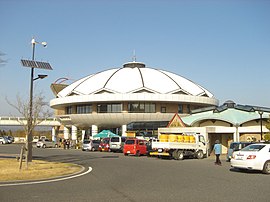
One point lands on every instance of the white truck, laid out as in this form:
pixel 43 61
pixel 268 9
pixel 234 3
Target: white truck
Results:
pixel 181 147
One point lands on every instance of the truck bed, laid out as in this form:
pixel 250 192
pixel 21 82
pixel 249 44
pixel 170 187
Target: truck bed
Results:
pixel 174 145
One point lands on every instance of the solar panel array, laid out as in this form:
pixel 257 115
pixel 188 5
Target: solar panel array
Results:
pixel 36 64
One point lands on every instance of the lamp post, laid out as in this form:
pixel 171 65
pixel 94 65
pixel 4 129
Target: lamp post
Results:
pixel 261 113
pixel 33 64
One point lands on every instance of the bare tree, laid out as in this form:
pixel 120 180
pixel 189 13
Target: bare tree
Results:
pixel 40 111
pixel 2 61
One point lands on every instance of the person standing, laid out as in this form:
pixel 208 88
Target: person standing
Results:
pixel 65 143
pixel 217 149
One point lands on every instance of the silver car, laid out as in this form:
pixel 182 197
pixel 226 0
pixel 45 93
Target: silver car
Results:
pixel 3 140
pixel 44 143
pixel 90 145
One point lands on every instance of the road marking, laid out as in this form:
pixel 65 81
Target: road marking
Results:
pixel 47 181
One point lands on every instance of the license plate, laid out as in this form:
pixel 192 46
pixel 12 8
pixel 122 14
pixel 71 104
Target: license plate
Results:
pixel 239 158
pixel 128 152
pixel 159 150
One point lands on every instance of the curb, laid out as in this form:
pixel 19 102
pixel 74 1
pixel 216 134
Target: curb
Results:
pixel 45 180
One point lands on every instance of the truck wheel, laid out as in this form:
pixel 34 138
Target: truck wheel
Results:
pixel 174 154
pixel 266 167
pixel 200 155
pixel 138 153
pixel 179 155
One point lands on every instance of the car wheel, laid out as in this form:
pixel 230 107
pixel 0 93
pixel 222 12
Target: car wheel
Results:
pixel 199 155
pixel 138 153
pixel 56 145
pixel 1 142
pixel 44 146
pixel 93 149
pixel 266 167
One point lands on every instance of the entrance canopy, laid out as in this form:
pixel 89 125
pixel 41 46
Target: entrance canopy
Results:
pixel 105 133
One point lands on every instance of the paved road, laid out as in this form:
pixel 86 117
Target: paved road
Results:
pixel 116 177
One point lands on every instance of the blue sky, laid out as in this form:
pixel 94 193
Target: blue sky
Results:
pixel 222 45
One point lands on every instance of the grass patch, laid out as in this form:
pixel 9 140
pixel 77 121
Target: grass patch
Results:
pixel 36 170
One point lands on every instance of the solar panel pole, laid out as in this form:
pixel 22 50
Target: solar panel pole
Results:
pixel 29 139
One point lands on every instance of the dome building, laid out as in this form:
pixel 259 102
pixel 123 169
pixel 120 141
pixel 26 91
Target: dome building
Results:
pixel 132 93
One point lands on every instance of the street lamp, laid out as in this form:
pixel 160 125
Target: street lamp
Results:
pixel 261 113
pixel 40 76
pixel 33 64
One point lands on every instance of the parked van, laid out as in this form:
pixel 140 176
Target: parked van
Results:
pixel 117 143
pixel 135 146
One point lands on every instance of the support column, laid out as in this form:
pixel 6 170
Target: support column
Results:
pixel 236 137
pixel 124 130
pixel 94 130
pixel 53 134
pixel 66 133
pixel 74 133
pixel 83 135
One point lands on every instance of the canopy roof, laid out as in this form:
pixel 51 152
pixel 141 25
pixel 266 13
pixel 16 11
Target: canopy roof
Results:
pixel 105 133
pixel 228 112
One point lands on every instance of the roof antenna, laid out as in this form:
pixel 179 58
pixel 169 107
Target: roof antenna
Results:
pixel 134 56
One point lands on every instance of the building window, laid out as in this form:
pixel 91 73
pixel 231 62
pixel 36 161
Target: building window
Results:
pixel 109 108
pixel 180 108
pixel 163 110
pixel 69 110
pixel 141 107
pixel 84 109
pixel 188 109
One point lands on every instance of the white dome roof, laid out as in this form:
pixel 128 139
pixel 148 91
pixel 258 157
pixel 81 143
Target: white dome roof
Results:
pixel 134 77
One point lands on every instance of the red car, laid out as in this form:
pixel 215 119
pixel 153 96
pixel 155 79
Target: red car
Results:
pixel 135 146
pixel 104 145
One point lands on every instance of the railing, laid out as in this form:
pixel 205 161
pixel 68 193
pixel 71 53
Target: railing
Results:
pixel 51 121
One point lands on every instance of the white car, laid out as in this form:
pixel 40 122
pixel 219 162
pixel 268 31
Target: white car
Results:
pixel 253 157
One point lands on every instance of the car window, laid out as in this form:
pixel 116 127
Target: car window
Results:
pixel 234 146
pixel 96 141
pixel 141 142
pixel 130 141
pixel 115 139
pixel 106 141
pixel 253 147
pixel 201 138
pixel 86 141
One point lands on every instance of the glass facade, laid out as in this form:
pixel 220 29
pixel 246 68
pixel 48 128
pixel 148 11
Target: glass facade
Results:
pixel 69 110
pixel 109 108
pixel 140 107
pixel 163 110
pixel 84 109
pixel 180 108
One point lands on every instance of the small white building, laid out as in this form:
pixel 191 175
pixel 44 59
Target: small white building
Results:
pixel 229 122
